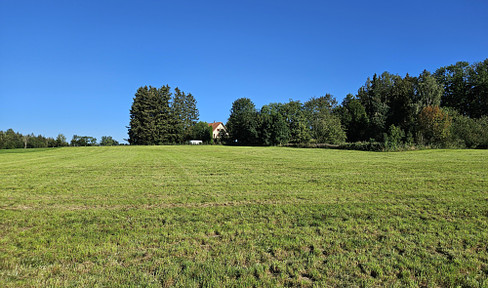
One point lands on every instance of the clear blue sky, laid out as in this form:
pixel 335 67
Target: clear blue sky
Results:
pixel 73 67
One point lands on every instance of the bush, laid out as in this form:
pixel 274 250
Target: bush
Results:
pixel 363 146
pixel 434 125
pixel 470 133
pixel 394 138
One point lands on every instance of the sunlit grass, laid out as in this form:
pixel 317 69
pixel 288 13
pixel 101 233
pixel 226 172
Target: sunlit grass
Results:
pixel 212 216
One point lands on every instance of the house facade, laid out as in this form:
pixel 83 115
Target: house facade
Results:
pixel 216 128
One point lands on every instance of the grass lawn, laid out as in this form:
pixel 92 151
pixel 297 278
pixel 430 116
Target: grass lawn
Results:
pixel 213 216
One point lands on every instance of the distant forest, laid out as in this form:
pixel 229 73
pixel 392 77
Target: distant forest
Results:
pixel 447 108
pixel 10 139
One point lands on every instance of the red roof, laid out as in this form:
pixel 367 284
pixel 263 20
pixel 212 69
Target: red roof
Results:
pixel 215 125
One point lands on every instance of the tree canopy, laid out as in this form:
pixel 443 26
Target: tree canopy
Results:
pixel 158 116
pixel 447 108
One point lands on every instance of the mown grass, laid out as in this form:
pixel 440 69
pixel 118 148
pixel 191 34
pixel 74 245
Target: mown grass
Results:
pixel 213 216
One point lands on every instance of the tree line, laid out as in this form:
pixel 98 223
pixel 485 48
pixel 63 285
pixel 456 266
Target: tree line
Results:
pixel 10 140
pixel 448 108
pixel 159 116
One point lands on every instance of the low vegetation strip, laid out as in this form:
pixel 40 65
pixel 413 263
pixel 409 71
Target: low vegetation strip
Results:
pixel 217 216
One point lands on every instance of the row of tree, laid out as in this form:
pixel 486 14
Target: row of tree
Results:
pixel 158 116
pixel 91 141
pixel 281 123
pixel 10 139
pixel 447 108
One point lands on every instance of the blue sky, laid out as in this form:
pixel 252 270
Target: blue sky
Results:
pixel 73 67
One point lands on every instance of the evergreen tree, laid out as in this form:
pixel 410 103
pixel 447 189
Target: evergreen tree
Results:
pixel 138 134
pixel 191 114
pixel 374 97
pixel 178 116
pixel 150 116
pixel 401 112
pixel 160 100
pixel 184 115
pixel 353 116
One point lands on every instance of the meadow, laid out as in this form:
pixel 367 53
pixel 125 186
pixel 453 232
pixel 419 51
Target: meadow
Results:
pixel 217 216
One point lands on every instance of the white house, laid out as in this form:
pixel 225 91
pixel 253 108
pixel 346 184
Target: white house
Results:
pixel 216 128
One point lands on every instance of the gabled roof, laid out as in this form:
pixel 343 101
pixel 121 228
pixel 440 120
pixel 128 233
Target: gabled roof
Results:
pixel 215 125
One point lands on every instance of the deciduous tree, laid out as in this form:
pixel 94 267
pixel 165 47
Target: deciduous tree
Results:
pixel 242 124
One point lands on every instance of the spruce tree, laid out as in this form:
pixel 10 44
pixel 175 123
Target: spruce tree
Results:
pixel 184 115
pixel 163 121
pixel 156 118
pixel 150 116
pixel 138 118
pixel 177 116
pixel 191 115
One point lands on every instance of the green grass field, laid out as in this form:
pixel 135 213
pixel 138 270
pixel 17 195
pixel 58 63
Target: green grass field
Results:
pixel 216 216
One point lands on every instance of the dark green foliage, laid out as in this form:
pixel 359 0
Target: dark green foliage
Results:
pixel 394 138
pixel 39 141
pixel 454 81
pixel 61 141
pixel 469 132
pixel 202 131
pixel 243 123
pixel 273 129
pixel 108 141
pixel 363 146
pixel 83 141
pixel 374 96
pixel 223 137
pixel 156 118
pixel 478 96
pixel 325 127
pixel 146 123
pixel 465 87
pixel 320 105
pixel 292 122
pixel 191 114
pixel 177 116
pixel 353 116
pixel 295 118
pixel 428 91
pixel 184 115
pixel 402 109
pixel 11 140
